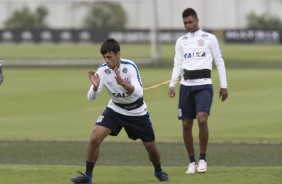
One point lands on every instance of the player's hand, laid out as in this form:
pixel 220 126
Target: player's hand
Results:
pixel 125 84
pixel 223 94
pixel 171 92
pixel 94 78
pixel 119 80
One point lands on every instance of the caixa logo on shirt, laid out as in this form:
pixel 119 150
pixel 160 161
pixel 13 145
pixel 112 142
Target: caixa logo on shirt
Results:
pixel 195 55
pixel 121 95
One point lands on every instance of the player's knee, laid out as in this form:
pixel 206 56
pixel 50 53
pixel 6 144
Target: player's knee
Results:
pixel 94 140
pixel 202 118
pixel 150 146
pixel 202 122
pixel 187 124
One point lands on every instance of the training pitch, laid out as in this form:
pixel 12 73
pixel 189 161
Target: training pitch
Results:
pixel 46 122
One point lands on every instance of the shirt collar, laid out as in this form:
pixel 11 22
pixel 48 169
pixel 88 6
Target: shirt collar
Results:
pixel 196 33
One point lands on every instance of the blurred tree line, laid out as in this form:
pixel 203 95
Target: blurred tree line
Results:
pixel 263 21
pixel 25 19
pixel 105 15
pixel 100 15
pixel 112 15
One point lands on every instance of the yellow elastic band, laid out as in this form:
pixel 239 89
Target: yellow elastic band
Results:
pixel 158 85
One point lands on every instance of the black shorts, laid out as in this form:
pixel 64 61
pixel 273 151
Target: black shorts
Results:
pixel 136 127
pixel 194 99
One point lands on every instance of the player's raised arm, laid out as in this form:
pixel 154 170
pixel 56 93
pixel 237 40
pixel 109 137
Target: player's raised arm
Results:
pixel 94 78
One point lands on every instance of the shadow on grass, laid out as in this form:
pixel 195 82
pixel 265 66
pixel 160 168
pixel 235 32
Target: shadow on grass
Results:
pixel 134 154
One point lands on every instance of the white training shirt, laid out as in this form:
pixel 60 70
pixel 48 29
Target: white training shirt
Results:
pixel 128 72
pixel 196 51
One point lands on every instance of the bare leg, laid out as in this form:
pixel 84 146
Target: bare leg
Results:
pixel 153 152
pixel 202 118
pixel 98 135
pixel 154 156
pixel 188 136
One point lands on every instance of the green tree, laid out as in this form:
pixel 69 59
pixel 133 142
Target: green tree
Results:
pixel 263 21
pixel 26 19
pixel 105 15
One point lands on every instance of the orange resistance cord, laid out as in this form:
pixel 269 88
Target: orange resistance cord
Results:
pixel 158 85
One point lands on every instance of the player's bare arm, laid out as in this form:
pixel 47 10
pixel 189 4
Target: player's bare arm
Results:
pixel 223 94
pixel 95 79
pixel 123 83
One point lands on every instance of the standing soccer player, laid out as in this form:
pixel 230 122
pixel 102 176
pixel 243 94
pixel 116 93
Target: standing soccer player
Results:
pixel 1 73
pixel 194 53
pixel 126 109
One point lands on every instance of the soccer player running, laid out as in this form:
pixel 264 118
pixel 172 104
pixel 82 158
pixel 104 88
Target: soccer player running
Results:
pixel 126 109
pixel 194 53
pixel 1 73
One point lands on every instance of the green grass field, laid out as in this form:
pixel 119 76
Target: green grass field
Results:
pixel 125 175
pixel 235 55
pixel 46 121
pixel 50 104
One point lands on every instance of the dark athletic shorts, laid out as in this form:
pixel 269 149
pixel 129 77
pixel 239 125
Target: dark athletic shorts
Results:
pixel 194 99
pixel 136 127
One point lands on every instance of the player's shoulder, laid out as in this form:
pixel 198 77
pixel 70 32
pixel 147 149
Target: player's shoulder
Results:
pixel 206 34
pixel 103 67
pixel 182 38
pixel 127 62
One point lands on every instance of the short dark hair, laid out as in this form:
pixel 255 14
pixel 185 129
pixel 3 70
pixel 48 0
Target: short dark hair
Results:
pixel 110 45
pixel 189 12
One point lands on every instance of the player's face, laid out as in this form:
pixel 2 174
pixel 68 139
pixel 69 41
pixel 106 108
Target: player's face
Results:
pixel 112 59
pixel 191 24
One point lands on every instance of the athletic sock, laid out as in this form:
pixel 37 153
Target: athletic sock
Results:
pixel 192 158
pixel 203 156
pixel 158 168
pixel 89 168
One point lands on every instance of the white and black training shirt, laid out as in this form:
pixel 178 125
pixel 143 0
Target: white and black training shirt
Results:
pixel 128 72
pixel 196 51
